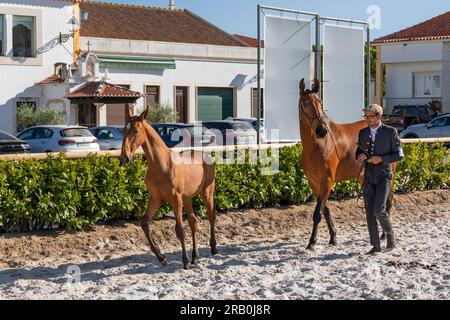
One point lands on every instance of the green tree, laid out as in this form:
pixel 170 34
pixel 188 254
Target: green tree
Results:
pixel 28 116
pixel 161 113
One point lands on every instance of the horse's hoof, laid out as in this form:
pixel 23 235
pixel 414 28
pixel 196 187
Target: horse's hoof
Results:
pixel 214 251
pixel 194 261
pixel 164 261
pixel 333 242
pixel 383 236
pixel 310 247
pixel 186 266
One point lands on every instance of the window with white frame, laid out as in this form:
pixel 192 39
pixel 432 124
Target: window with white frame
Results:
pixel 23 36
pixel 2 35
pixel 427 84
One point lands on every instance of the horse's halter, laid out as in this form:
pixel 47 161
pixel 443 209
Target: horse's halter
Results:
pixel 317 116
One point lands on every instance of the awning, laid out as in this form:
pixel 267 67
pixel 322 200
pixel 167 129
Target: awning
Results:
pixel 122 62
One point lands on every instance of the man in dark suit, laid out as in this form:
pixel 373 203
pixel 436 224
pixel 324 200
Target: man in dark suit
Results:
pixel 378 147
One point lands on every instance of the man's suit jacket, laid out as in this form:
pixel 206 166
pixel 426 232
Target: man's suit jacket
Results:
pixel 387 145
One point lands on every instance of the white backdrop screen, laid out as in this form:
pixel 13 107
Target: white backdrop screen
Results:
pixel 343 73
pixel 287 60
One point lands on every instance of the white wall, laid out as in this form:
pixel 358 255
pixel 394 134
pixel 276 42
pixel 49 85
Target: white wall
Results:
pixel 193 74
pixel 445 78
pixel 17 79
pixel 399 80
pixel 411 52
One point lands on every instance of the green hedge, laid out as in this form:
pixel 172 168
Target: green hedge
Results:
pixel 36 194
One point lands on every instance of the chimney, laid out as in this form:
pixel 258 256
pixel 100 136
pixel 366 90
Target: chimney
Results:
pixel 172 4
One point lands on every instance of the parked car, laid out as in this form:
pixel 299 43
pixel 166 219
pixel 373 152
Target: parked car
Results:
pixel 11 145
pixel 232 132
pixel 109 137
pixel 184 135
pixel 436 128
pixel 59 138
pixel 403 116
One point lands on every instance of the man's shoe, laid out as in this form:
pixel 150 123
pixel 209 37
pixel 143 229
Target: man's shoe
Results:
pixel 391 242
pixel 374 250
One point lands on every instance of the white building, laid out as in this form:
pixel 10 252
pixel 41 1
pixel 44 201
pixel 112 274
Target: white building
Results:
pixel 417 61
pixel 170 55
pixel 26 26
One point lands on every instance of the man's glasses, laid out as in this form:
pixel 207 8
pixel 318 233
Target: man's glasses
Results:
pixel 369 117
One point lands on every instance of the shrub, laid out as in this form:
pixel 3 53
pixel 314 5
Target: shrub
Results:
pixel 36 194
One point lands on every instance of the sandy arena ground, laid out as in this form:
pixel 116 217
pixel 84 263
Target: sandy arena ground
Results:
pixel 261 256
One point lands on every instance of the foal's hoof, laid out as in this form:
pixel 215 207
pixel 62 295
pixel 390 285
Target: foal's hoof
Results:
pixel 383 236
pixel 333 242
pixel 186 266
pixel 310 247
pixel 164 261
pixel 194 261
pixel 214 251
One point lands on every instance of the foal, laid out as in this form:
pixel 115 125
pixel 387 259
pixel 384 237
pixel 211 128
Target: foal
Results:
pixel 328 155
pixel 171 178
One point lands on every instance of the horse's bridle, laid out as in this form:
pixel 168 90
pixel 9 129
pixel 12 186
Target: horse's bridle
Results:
pixel 317 116
pixel 321 119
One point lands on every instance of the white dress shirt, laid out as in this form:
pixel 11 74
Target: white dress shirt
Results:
pixel 373 132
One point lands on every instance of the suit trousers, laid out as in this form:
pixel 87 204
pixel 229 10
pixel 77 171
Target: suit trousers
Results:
pixel 376 193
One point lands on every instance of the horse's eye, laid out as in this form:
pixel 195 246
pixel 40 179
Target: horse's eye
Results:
pixel 128 126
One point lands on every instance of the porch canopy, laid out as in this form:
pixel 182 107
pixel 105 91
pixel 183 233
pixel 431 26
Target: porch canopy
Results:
pixel 101 103
pixel 104 93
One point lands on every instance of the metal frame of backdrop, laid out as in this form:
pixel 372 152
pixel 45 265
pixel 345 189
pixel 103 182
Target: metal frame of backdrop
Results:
pixel 317 54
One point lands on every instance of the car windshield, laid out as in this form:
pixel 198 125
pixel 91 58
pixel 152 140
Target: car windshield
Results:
pixel 76 132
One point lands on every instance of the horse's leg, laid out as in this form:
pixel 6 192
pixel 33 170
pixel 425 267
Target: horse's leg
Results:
pixel 208 197
pixel 193 224
pixel 153 205
pixel 331 228
pixel 389 202
pixel 177 205
pixel 317 216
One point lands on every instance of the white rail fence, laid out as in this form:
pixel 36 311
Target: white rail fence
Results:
pixel 224 149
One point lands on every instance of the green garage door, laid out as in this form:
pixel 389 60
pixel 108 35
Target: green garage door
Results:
pixel 214 103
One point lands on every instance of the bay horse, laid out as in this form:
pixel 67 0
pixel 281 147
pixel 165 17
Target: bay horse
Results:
pixel 328 155
pixel 173 179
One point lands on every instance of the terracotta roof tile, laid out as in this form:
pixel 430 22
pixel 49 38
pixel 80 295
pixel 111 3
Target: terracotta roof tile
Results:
pixel 123 21
pixel 101 89
pixel 54 79
pixel 437 28
pixel 252 42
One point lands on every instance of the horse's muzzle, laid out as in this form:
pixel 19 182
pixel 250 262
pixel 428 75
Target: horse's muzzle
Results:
pixel 321 132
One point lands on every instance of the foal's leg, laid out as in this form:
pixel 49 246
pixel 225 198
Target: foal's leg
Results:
pixel 389 202
pixel 153 205
pixel 177 205
pixel 208 198
pixel 193 224
pixel 331 228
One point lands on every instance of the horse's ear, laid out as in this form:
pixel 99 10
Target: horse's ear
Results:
pixel 129 112
pixel 316 86
pixel 302 86
pixel 143 115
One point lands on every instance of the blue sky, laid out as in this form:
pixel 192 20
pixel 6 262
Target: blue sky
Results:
pixel 239 16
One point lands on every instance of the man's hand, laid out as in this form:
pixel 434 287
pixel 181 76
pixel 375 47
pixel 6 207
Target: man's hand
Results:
pixel 362 157
pixel 375 160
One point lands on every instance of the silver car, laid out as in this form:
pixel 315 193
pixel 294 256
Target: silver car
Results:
pixel 59 138
pixel 109 137
pixel 439 127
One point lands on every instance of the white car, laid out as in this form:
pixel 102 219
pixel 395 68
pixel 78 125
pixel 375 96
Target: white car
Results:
pixel 59 138
pixel 439 127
